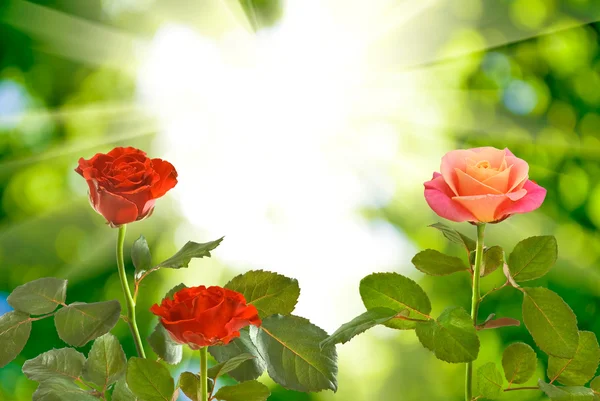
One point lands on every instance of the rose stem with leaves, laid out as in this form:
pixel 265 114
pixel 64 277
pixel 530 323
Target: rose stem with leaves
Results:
pixel 204 373
pixel 127 293
pixel 476 298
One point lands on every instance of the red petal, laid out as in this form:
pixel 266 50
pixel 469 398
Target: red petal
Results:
pixel 168 177
pixel 115 209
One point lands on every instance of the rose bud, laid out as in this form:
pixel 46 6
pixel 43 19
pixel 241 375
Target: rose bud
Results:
pixel 482 185
pixel 124 183
pixel 200 316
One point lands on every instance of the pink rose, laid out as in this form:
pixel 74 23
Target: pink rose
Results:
pixel 482 185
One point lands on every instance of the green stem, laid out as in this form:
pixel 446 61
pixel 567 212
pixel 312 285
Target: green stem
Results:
pixel 204 373
pixel 476 298
pixel 127 293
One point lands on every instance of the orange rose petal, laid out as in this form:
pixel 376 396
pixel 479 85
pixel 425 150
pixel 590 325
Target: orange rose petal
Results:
pixel 469 186
pixel 483 207
pixel 456 159
pixel 495 156
pixel 500 180
pixel 519 172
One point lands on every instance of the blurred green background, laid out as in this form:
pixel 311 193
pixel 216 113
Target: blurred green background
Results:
pixel 390 85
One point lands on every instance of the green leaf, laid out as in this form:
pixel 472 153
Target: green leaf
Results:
pixel 15 328
pixel 551 322
pixel 532 258
pixel 162 344
pixel 489 381
pixel 59 389
pixel 106 361
pixel 39 296
pixel 580 369
pixel 190 250
pixel 122 393
pixel 595 384
pixel 64 362
pixel 360 324
pixel 141 257
pixel 452 338
pixel 249 370
pixel 149 380
pixel 455 236
pixel 175 289
pixel 436 263
pixel 493 258
pixel 190 384
pixel 519 363
pixel 566 393
pixel 290 347
pixel 248 391
pixel 229 365
pixel 80 323
pixel 396 292
pixel 270 293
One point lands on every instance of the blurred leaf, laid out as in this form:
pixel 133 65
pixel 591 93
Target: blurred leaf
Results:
pixel 551 322
pixel 493 258
pixel 436 263
pixel 122 393
pixel 248 370
pixel 64 362
pixel 248 391
pixel 396 292
pixel 149 380
pixel 566 393
pixel 162 344
pixel 455 236
pixel 59 389
pixel 79 323
pixel 359 324
pixel 489 381
pixel 15 328
pixel 519 362
pixel 229 365
pixel 595 384
pixel 39 296
pixel 580 369
pixel 452 338
pixel 500 322
pixel 106 361
pixel 290 346
pixel 270 293
pixel 141 257
pixel 190 250
pixel 190 384
pixel 532 258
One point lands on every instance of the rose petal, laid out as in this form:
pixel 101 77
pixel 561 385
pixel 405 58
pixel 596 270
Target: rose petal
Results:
pixel 500 181
pixel 168 177
pixel 519 172
pixel 495 156
pixel 439 197
pixel 115 209
pixel 532 200
pixel 456 159
pixel 483 207
pixel 119 151
pixel 468 185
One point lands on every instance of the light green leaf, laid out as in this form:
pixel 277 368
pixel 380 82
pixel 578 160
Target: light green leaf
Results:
pixel 436 263
pixel 595 384
pixel 566 393
pixel 162 344
pixel 106 361
pixel 190 384
pixel 455 236
pixel 493 258
pixel 489 381
pixel 39 296
pixel 59 389
pixel 290 347
pixel 519 363
pixel 122 393
pixel 64 362
pixel 249 370
pixel 580 369
pixel 229 365
pixel 141 257
pixel 532 258
pixel 80 323
pixel 396 292
pixel 149 380
pixel 15 328
pixel 360 324
pixel 551 322
pixel 248 391
pixel 270 293
pixel 452 338
pixel 190 250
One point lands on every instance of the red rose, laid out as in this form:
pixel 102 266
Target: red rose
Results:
pixel 125 183
pixel 200 316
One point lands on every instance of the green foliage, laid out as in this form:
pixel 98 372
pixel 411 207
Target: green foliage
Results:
pixel 189 383
pixel 149 380
pixel 106 361
pixel 551 322
pixel 141 257
pixel 519 363
pixel 247 391
pixel 566 393
pixel 122 393
pixel 580 369
pixel 396 292
pixel 359 324
pixel 290 347
pixel 79 323
pixel 532 258
pixel 436 263
pixel 493 258
pixel 269 292
pixel 162 344
pixel 489 381
pixel 60 389
pixel 15 328
pixel 227 366
pixel 455 236
pixel 39 296
pixel 189 251
pixel 249 370
pixel 595 384
pixel 65 362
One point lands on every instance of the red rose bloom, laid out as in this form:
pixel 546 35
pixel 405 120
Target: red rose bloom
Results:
pixel 125 183
pixel 200 316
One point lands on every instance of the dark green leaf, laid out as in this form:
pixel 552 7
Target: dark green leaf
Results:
pixel 270 293
pixel 455 236
pixel 566 393
pixel 359 325
pixel 436 263
pixel 80 323
pixel 64 362
pixel 248 370
pixel 580 369
pixel 290 346
pixel 493 258
pixel 551 322
pixel 190 250
pixel 141 257
pixel 39 296
pixel 229 365
pixel 452 338
pixel 106 361
pixel 248 391
pixel 489 381
pixel 396 292
pixel 15 328
pixel 59 389
pixel 149 380
pixel 122 392
pixel 519 363
pixel 162 344
pixel 532 258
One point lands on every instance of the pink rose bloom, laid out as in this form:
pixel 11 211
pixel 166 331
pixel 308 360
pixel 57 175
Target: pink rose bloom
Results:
pixel 482 185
